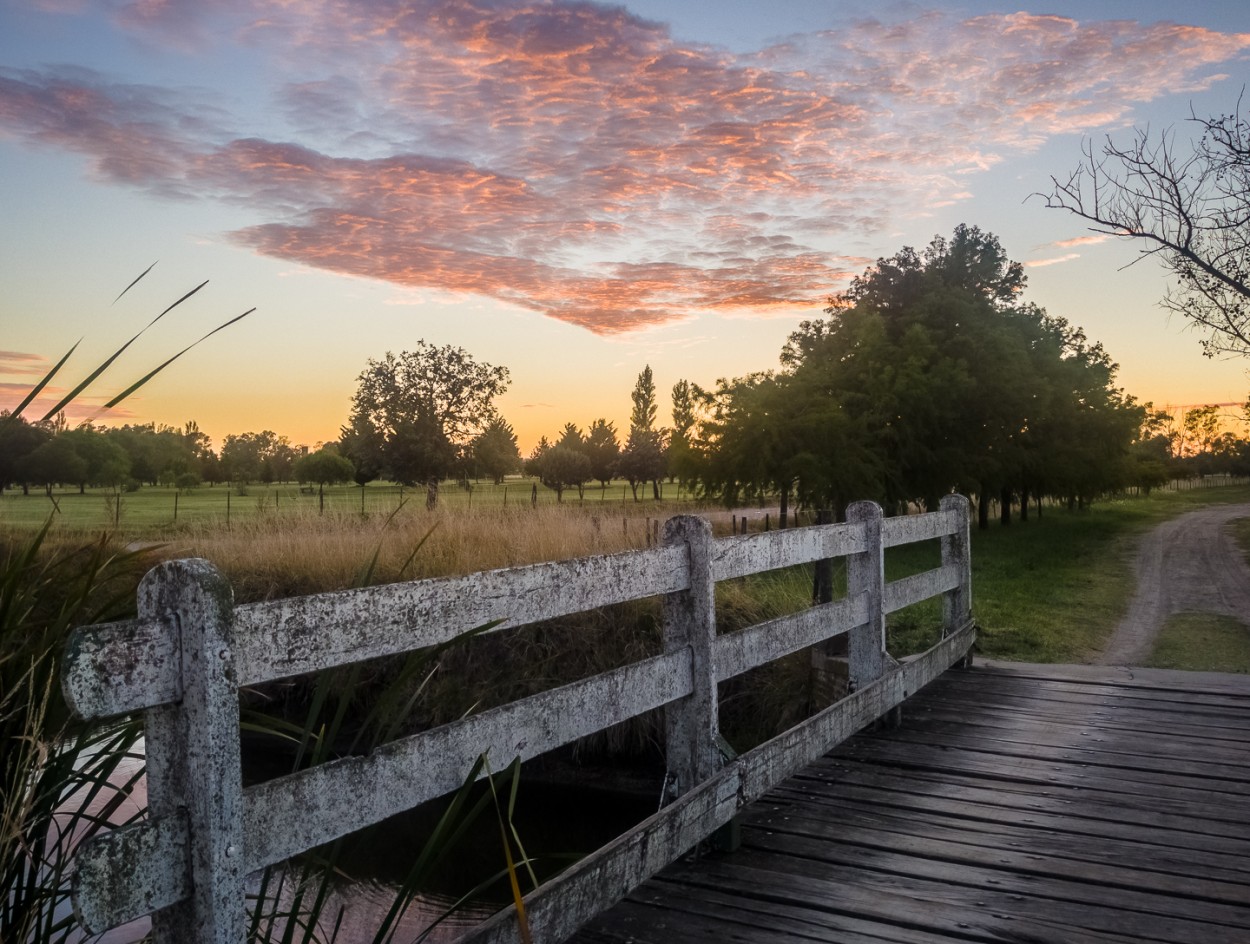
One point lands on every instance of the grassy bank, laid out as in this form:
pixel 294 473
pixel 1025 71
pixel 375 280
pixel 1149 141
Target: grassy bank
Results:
pixel 1052 590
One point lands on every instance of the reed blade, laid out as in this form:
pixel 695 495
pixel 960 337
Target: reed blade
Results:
pixel 152 373
pixel 35 391
pixel 135 282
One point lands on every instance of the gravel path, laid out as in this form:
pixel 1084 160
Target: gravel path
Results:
pixel 1186 565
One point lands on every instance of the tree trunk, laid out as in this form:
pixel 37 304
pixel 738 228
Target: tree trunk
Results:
pixel 1004 506
pixel 431 495
pixel 983 509
pixel 1024 503
pixel 784 511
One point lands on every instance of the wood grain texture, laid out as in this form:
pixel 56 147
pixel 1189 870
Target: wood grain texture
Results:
pixel 1015 803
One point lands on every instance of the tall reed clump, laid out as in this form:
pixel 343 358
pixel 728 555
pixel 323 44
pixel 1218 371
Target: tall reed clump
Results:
pixel 60 781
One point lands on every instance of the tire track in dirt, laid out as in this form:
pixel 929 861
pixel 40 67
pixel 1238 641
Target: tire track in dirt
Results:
pixel 1187 565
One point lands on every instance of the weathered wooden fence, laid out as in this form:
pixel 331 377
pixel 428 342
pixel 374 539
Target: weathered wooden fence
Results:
pixel 185 657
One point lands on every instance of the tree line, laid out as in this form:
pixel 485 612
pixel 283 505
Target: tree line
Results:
pixel 929 374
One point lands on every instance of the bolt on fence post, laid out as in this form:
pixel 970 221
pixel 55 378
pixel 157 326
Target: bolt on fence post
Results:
pixel 865 573
pixel 192 747
pixel 957 603
pixel 692 729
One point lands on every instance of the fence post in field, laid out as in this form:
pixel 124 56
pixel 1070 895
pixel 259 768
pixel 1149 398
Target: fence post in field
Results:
pixel 690 724
pixel 957 603
pixel 193 751
pixel 865 573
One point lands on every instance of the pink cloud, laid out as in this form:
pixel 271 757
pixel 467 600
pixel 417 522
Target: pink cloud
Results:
pixel 21 363
pixel 1055 260
pixel 576 160
pixel 1082 241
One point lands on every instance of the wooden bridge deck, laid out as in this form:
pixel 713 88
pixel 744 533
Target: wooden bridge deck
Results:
pixel 1015 804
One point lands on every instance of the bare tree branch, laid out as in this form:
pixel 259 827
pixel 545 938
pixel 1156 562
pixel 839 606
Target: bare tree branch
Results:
pixel 1188 205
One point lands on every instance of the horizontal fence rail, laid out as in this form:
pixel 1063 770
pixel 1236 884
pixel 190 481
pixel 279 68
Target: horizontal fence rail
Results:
pixel 184 659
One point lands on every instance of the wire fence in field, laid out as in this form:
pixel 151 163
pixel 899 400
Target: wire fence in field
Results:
pixel 157 508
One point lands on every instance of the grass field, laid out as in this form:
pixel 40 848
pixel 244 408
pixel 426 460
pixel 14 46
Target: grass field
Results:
pixel 1047 590
pixel 153 510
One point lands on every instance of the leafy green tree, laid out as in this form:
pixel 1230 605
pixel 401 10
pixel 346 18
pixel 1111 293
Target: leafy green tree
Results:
pixel 365 447
pixel 325 467
pixel 495 450
pixel 603 450
pixel 642 459
pixel 257 457
pixel 682 454
pixel 106 462
pixel 435 398
pixel 18 439
pixel 418 452
pixel 561 467
pixel 53 462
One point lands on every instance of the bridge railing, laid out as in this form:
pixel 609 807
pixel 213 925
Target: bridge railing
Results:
pixel 183 660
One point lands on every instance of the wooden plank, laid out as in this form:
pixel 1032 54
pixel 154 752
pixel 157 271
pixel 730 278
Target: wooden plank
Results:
pixel 1094 888
pixel 304 810
pixel 908 529
pixel 953 913
pixel 1102 739
pixel 918 587
pixel 113 668
pixel 859 829
pixel 127 666
pixel 999 799
pixel 751 554
pixel 1160 792
pixel 764 642
pixel 968 820
pixel 152 874
pixel 1081 765
pixel 1230 739
pixel 1138 677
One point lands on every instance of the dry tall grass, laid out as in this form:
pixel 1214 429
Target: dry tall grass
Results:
pixel 269 557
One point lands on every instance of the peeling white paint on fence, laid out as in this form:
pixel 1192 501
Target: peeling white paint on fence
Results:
pixel 183 660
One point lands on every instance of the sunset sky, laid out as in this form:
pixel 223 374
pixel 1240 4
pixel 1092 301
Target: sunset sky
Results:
pixel 572 190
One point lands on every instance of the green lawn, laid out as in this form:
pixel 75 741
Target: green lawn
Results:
pixel 1052 590
pixel 152 510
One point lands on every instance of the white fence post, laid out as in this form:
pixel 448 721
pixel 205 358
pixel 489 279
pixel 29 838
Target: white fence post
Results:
pixel 956 550
pixel 193 751
pixel 865 573
pixel 691 725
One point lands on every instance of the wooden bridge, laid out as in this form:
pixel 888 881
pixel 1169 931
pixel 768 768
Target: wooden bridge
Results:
pixel 963 824
pixel 1016 803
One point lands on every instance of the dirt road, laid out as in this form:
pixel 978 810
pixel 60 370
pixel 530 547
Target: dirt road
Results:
pixel 1188 564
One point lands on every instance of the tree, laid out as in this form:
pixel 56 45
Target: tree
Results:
pixel 436 398
pixel 325 467
pixel 559 467
pixel 54 462
pixel 106 463
pixel 603 450
pixel 418 452
pixel 257 457
pixel 642 459
pixel 365 447
pixel 682 457
pixel 1189 205
pixel 18 439
pixel 495 449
